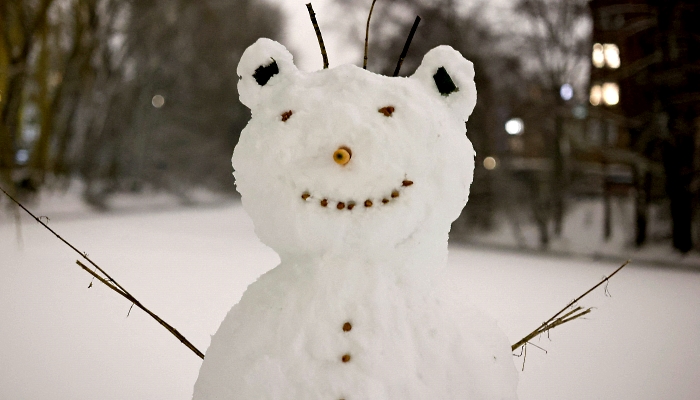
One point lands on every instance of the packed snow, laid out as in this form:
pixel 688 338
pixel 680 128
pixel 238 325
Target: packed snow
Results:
pixel 63 341
pixel 354 178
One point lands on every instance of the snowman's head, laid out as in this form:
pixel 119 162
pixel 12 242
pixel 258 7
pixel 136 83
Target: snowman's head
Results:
pixel 343 159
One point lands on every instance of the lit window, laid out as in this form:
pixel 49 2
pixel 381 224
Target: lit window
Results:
pixel 612 55
pixel 611 93
pixel 598 55
pixel 596 95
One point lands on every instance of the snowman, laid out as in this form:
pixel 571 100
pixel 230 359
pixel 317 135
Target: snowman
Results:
pixel 354 178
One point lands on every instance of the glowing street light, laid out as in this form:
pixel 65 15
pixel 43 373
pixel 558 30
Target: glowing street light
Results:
pixel 515 126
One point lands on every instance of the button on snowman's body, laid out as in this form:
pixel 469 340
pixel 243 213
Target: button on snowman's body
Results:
pixel 354 179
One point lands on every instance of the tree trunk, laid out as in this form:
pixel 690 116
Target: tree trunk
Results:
pixel 678 162
pixel 642 182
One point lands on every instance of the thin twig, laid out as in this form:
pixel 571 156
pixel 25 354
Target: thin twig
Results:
pixel 557 320
pixel 138 304
pixel 364 63
pixel 318 35
pixel 82 254
pixel 407 45
pixel 109 281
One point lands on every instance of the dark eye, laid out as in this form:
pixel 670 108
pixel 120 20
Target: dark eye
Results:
pixel 285 115
pixel 387 111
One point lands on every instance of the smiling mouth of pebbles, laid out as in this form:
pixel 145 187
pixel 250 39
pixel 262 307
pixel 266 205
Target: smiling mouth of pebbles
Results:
pixel 351 204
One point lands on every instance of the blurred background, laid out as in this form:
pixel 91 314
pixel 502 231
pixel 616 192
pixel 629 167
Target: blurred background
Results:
pixel 586 126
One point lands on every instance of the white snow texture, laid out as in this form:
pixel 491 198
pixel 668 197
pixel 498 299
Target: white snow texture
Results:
pixel 350 313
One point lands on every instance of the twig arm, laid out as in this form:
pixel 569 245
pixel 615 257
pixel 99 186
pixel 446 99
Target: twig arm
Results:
pixel 138 304
pixel 82 254
pixel 558 319
pixel 576 300
pixel 108 281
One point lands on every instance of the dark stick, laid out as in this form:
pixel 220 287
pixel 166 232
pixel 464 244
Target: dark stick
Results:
pixel 82 254
pixel 556 320
pixel 364 63
pixel 111 283
pixel 318 35
pixel 407 45
pixel 138 304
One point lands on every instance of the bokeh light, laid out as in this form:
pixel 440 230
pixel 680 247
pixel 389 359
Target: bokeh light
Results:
pixel 515 126
pixel 566 92
pixel 158 101
pixel 490 163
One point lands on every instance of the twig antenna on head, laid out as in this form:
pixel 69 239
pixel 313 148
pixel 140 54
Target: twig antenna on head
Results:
pixel 318 35
pixel 407 45
pixel 364 63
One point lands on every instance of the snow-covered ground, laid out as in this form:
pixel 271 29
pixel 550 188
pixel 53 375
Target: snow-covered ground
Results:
pixel 60 339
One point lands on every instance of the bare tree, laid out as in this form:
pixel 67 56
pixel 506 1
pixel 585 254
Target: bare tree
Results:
pixel 21 23
pixel 173 118
pixel 123 93
pixel 555 47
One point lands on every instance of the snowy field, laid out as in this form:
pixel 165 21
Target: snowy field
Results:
pixel 61 340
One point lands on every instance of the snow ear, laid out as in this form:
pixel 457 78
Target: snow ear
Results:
pixel 449 76
pixel 263 65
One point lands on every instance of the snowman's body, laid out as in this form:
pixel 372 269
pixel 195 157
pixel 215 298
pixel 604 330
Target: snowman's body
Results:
pixel 354 179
